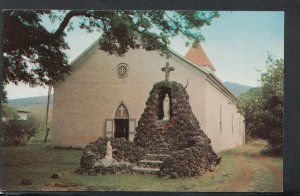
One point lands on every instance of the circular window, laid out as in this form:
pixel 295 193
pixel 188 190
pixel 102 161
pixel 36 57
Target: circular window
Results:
pixel 122 70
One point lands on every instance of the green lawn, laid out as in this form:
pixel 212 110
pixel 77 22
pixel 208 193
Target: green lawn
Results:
pixel 242 169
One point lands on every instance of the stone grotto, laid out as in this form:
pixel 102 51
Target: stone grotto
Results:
pixel 168 141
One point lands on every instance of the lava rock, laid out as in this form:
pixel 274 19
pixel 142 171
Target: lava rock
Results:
pixel 123 151
pixel 181 136
pixel 26 181
pixel 56 175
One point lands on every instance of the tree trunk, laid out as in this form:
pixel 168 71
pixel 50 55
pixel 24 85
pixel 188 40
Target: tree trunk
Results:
pixel 47 113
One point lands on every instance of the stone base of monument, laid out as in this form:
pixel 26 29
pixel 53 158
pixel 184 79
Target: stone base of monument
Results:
pixel 125 155
pixel 104 167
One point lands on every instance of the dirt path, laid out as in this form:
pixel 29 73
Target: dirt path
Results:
pixel 246 173
pixel 277 173
pixel 241 182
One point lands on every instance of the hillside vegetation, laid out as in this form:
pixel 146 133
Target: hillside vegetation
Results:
pixel 237 89
pixel 40 101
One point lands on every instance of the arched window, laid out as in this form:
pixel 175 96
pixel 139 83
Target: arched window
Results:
pixel 121 112
pixel 121 125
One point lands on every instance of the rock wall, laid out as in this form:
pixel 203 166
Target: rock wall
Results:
pixel 178 133
pixel 181 136
pixel 193 161
pixel 123 150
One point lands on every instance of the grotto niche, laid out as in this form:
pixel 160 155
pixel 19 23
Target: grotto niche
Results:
pixel 189 149
pixel 177 143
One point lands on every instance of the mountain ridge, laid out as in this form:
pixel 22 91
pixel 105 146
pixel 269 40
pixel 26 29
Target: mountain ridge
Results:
pixel 30 101
pixel 235 88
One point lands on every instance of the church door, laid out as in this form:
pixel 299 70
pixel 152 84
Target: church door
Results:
pixel 121 128
pixel 121 125
pixel 121 122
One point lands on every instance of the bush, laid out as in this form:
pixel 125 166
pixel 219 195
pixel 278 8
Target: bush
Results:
pixel 262 107
pixel 17 132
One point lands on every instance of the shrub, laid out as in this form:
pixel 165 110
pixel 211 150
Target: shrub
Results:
pixel 17 132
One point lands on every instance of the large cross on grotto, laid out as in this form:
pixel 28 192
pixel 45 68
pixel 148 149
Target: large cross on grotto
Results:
pixel 167 69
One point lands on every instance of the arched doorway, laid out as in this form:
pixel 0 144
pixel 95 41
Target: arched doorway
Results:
pixel 121 122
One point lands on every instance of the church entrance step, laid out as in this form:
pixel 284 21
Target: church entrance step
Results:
pixel 144 170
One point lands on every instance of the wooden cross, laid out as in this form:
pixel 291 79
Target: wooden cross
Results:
pixel 167 69
pixel 121 108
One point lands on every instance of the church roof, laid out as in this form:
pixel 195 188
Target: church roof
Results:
pixel 210 76
pixel 197 56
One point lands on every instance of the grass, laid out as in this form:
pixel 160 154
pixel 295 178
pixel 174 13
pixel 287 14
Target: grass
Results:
pixel 241 169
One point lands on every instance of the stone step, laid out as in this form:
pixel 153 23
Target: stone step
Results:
pixel 145 170
pixel 156 157
pixel 151 161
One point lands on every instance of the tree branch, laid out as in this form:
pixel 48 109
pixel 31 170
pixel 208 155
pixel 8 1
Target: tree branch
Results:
pixel 175 23
pixel 58 33
pixel 187 83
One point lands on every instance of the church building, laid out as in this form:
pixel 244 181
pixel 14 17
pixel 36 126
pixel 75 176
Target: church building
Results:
pixel 105 95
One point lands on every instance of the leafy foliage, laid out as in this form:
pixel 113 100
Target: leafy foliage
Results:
pixel 18 132
pixel 30 53
pixel 272 99
pixel 262 107
pixel 9 112
pixel 35 56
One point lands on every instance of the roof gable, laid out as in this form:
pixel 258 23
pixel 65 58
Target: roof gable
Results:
pixel 210 76
pixel 197 56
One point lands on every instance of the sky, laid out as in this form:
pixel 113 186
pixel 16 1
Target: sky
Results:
pixel 237 43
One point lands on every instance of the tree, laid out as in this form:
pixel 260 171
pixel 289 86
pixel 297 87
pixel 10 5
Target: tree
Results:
pixel 262 107
pixel 35 56
pixel 249 105
pixel 272 103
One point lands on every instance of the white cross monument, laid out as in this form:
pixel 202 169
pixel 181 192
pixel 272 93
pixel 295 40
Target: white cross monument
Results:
pixel 167 69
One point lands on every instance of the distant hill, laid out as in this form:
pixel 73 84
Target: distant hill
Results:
pixel 236 88
pixel 30 102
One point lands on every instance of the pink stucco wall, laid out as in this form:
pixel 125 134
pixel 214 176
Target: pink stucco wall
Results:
pixel 230 134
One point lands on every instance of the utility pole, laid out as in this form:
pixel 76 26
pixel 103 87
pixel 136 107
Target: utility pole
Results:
pixel 47 112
